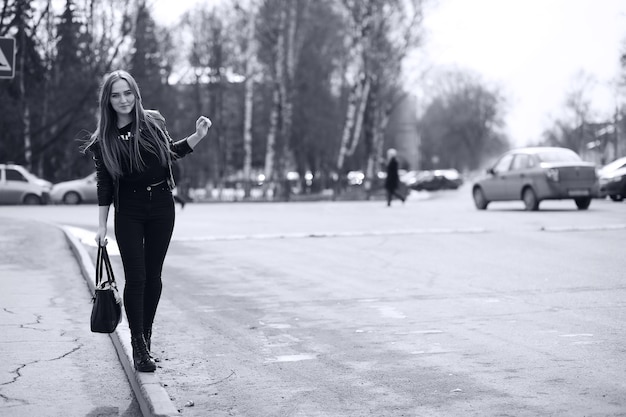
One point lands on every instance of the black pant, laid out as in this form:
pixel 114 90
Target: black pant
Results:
pixel 144 223
pixel 391 193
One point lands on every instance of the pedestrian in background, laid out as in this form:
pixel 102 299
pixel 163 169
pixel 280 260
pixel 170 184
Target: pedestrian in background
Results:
pixel 133 155
pixel 392 180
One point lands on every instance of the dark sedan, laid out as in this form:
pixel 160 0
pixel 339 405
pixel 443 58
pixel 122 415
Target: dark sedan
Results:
pixel 536 174
pixel 440 179
pixel 613 180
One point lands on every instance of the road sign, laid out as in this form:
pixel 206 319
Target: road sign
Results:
pixel 7 57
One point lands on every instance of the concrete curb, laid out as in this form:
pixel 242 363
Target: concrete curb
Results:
pixel 151 396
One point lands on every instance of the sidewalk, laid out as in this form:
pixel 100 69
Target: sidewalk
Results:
pixel 52 365
pixel 150 392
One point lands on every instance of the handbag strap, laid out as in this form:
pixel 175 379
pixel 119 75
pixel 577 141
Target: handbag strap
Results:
pixel 99 267
pixel 102 260
pixel 107 264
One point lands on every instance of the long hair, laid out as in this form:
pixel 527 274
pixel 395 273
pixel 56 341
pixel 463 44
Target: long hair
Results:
pixel 116 156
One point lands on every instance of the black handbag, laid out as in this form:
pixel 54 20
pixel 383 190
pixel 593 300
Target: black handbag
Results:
pixel 106 312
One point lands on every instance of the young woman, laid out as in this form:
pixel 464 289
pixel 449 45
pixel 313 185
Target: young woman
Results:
pixel 133 154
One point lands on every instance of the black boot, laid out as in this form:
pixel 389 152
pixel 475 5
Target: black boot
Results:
pixel 141 358
pixel 147 335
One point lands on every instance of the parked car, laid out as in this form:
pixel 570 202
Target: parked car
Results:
pixel 355 177
pixel 78 191
pixel 439 179
pixel 612 179
pixel 19 186
pixel 535 174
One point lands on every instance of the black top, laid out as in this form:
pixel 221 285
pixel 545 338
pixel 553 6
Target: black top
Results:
pixel 152 173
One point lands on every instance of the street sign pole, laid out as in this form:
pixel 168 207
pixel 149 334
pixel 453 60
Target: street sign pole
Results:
pixel 7 57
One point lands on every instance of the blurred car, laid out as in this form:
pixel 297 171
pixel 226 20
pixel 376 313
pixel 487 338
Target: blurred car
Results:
pixel 439 179
pixel 355 177
pixel 78 191
pixel 612 179
pixel 535 174
pixel 19 186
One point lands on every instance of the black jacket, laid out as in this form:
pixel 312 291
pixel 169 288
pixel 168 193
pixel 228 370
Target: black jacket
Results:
pixel 392 179
pixel 108 187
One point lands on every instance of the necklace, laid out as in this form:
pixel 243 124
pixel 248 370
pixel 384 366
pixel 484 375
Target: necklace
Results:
pixel 126 133
pixel 126 136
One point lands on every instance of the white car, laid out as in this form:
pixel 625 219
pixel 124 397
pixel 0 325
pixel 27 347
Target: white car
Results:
pixel 19 186
pixel 535 174
pixel 80 191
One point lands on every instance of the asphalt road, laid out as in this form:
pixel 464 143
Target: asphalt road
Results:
pixel 431 308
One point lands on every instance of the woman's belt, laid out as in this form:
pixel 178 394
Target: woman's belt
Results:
pixel 157 183
pixel 137 187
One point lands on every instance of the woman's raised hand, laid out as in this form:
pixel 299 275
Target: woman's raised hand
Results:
pixel 202 126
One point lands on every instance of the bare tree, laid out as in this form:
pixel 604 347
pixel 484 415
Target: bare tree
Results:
pixel 463 123
pixel 572 130
pixel 382 33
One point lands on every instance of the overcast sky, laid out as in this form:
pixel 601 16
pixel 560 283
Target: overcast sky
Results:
pixel 535 50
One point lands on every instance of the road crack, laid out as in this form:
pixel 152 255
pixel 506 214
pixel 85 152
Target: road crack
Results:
pixel 18 372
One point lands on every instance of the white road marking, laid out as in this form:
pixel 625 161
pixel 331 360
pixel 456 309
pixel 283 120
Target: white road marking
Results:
pixel 292 358
pixel 306 235
pixel 429 331
pixel 390 312
pixel 583 228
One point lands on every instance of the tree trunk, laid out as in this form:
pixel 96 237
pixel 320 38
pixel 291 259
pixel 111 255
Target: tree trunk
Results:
pixel 348 125
pixel 271 151
pixel 358 124
pixel 46 86
pixel 23 98
pixel 286 94
pixel 249 101
pixel 361 21
pixel 381 119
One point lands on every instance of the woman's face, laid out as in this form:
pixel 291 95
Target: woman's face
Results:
pixel 122 98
